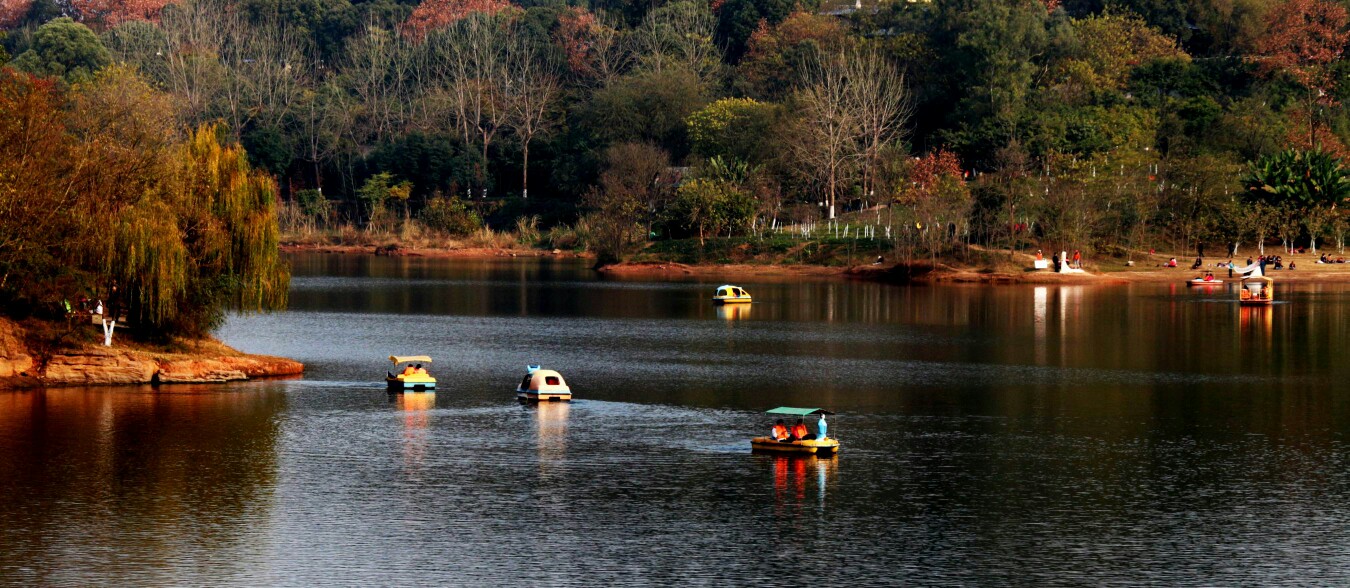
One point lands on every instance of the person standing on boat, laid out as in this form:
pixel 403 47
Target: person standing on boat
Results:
pixel 822 427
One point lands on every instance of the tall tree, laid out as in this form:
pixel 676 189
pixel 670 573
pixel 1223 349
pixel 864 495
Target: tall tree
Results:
pixel 531 97
pixel 1304 38
pixel 825 142
pixel 882 104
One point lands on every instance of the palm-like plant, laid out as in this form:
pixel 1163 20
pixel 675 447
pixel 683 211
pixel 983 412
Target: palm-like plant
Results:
pixel 1303 179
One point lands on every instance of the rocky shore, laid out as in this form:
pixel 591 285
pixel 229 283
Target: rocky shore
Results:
pixel 84 365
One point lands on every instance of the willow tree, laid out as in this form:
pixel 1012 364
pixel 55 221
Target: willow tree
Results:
pixel 203 241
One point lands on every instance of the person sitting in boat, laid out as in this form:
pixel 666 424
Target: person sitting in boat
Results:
pixel 799 431
pixel 420 370
pixel 779 431
pixel 409 370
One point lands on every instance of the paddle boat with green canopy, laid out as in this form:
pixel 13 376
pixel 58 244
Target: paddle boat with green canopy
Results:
pixel 411 376
pixel 782 439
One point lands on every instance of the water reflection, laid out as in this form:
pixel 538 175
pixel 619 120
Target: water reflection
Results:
pixel 801 480
pixel 733 312
pixel 416 409
pixel 550 420
pixel 159 474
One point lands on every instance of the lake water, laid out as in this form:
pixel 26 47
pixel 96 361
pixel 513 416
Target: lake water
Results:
pixel 1007 435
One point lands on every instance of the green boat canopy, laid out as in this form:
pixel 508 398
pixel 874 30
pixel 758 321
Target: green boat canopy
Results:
pixel 798 411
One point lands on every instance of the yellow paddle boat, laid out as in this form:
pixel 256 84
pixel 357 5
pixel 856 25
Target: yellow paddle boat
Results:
pixel 542 386
pixel 731 295
pixel 412 376
pixel 783 439
pixel 1256 291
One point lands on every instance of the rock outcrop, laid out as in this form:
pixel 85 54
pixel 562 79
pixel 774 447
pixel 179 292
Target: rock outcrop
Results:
pixel 15 361
pixel 96 365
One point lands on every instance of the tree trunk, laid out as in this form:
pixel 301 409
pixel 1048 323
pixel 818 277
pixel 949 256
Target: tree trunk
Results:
pixel 525 172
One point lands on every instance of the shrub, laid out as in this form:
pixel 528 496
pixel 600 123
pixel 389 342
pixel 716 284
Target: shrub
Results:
pixel 449 216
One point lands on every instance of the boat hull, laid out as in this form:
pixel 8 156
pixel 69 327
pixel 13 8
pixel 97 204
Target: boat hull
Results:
pixel 813 446
pixel 397 385
pixel 731 300
pixel 537 396
pixel 1255 302
pixel 1204 283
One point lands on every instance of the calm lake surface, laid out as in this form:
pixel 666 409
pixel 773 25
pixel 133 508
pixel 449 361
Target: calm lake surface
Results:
pixel 1010 435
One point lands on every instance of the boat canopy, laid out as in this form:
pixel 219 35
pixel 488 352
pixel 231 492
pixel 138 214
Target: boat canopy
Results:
pixel 409 358
pixel 798 411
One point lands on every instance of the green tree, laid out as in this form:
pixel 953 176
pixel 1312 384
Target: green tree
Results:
pixel 648 106
pixel 64 49
pixel 377 192
pixel 733 127
pixel 708 206
pixel 450 216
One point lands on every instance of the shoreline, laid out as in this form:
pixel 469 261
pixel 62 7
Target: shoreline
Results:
pixel 207 361
pixel 1114 272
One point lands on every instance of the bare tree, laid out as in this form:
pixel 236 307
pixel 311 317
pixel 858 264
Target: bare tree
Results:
pixel 681 32
pixel 530 97
pixel 471 58
pixel 267 74
pixel 377 69
pixel 825 142
pixel 193 36
pixel 882 105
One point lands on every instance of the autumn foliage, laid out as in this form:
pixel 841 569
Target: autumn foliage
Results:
pixel 575 36
pixel 436 14
pixel 930 171
pixel 1303 38
pixel 13 11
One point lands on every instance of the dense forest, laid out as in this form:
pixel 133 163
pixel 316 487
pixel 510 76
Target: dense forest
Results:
pixel 1109 126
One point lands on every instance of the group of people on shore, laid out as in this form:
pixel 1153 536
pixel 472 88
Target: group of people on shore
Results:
pixel 1327 259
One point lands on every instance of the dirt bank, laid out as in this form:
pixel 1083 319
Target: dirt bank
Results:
pixel 401 251
pixel 83 364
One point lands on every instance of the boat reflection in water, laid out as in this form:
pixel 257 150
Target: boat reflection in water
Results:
pixel 416 409
pixel 801 479
pixel 550 420
pixel 1257 323
pixel 734 312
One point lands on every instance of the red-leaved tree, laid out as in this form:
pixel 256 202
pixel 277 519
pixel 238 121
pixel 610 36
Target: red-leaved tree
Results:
pixel 1303 39
pixel 575 35
pixel 431 15
pixel 13 11
pixel 104 14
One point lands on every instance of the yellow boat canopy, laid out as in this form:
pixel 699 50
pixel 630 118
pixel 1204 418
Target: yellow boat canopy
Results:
pixel 409 358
